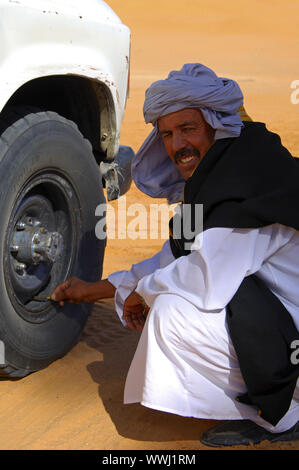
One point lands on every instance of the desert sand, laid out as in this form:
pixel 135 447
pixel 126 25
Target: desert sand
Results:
pixel 76 403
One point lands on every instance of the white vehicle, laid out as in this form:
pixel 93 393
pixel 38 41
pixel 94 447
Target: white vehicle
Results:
pixel 64 74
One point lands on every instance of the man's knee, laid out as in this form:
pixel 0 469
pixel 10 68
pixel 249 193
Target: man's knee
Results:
pixel 166 315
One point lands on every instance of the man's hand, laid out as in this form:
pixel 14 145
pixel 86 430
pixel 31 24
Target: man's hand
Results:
pixel 72 290
pixel 135 311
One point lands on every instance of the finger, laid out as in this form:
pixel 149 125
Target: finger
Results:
pixel 60 291
pixel 145 311
pixel 129 322
pixel 139 326
pixel 138 321
pixel 64 285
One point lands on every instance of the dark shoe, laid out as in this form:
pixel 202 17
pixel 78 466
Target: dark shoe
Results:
pixel 244 432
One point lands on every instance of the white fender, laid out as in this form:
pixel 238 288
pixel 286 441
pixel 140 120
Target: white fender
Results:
pixel 40 38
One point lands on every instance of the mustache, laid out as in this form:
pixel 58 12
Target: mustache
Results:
pixel 185 152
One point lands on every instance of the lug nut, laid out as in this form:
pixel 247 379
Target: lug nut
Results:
pixel 20 267
pixel 20 226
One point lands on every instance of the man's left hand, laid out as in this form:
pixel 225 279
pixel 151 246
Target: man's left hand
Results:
pixel 135 311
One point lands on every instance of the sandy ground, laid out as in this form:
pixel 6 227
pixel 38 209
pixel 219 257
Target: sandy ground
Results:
pixel 76 403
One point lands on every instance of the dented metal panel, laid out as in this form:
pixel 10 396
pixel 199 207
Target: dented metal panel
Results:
pixel 117 174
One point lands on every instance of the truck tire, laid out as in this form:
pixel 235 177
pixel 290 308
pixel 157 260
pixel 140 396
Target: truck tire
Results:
pixel 50 186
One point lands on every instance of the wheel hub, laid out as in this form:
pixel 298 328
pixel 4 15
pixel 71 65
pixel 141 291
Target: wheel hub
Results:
pixel 40 242
pixel 33 244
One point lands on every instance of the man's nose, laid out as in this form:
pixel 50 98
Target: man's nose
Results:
pixel 178 142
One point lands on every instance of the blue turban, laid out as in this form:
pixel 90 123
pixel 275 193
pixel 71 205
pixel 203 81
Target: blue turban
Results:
pixel 194 86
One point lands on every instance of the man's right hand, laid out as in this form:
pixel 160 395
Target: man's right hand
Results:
pixel 73 290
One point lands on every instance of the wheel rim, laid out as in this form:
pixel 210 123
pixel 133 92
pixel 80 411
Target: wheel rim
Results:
pixel 41 243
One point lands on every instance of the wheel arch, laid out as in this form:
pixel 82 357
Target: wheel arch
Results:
pixel 85 101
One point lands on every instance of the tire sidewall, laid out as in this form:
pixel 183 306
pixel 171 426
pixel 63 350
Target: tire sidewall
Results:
pixel 55 144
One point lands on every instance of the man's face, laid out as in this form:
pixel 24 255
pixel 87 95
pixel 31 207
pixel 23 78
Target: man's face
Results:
pixel 187 137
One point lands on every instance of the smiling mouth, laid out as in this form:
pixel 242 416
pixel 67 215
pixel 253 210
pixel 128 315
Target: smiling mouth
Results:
pixel 187 157
pixel 186 160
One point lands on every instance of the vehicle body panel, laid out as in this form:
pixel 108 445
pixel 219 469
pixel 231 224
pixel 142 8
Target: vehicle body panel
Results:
pixel 48 37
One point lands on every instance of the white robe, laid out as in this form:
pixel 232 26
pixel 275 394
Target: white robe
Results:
pixel 185 362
